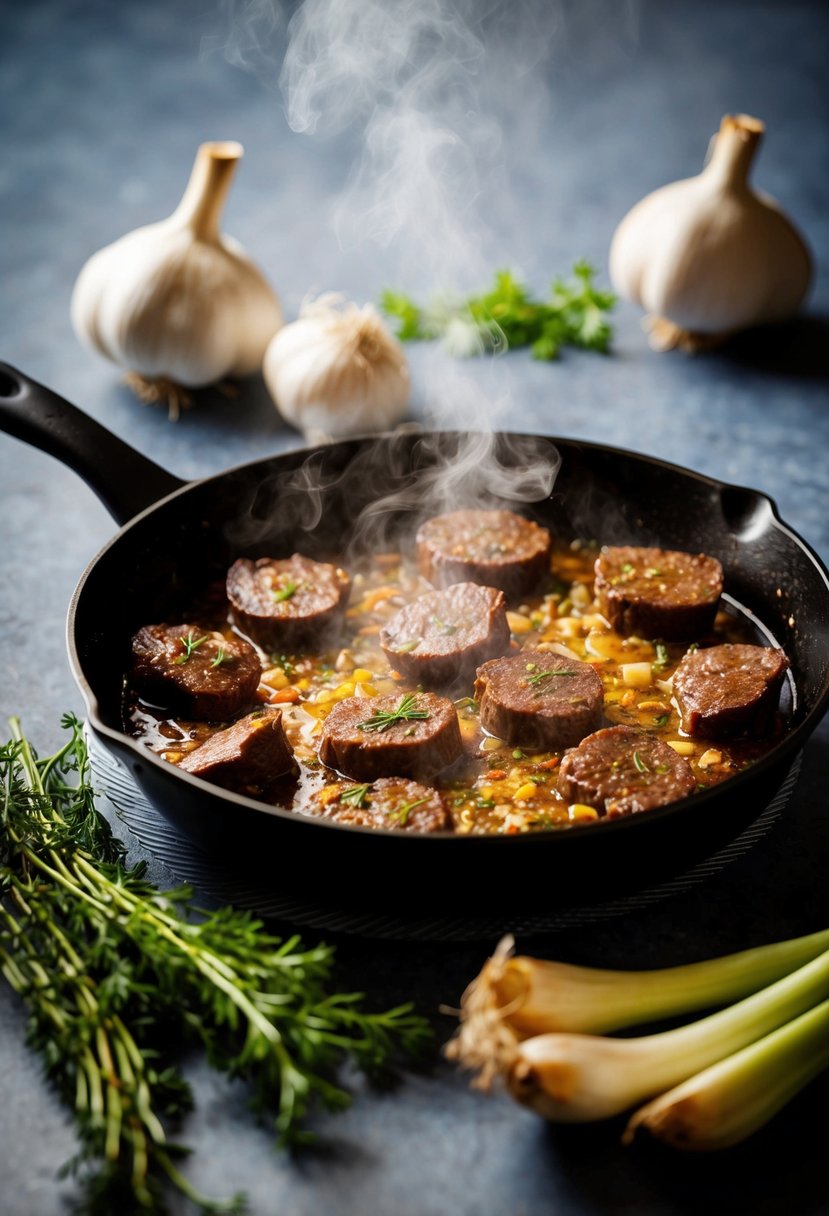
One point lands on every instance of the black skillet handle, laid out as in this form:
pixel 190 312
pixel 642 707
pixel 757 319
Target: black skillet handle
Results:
pixel 124 480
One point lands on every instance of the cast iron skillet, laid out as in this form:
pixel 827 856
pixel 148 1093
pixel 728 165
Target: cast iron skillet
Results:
pixel 175 536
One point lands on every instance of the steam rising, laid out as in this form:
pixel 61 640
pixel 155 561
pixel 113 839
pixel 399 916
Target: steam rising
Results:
pixel 366 493
pixel 438 99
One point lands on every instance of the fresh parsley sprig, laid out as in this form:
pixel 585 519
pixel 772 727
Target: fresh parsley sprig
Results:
pixel 507 316
pixel 114 972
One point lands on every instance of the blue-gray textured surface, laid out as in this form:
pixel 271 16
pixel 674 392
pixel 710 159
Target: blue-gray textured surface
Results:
pixel 102 108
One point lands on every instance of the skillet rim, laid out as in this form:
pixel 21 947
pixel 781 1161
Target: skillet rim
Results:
pixel 781 752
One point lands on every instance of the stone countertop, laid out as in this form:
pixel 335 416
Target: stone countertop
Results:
pixel 103 108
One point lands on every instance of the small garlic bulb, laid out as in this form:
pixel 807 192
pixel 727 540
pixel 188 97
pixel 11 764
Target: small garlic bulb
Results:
pixel 337 371
pixel 177 302
pixel 709 255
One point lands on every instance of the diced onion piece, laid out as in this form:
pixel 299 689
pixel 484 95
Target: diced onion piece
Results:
pixel 519 623
pixel 636 675
pixel 596 644
pixel 569 626
pixel 275 677
pixel 578 812
pixel 682 747
pixel 525 791
pixel 709 758
pixel 559 648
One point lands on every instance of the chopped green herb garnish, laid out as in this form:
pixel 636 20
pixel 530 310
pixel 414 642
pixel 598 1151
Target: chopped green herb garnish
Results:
pixel 445 627
pixel 518 754
pixel 538 778
pixel 662 657
pixel 540 676
pixel 400 815
pixel 357 795
pixel 652 572
pixel 190 643
pixel 407 647
pixel 531 666
pixel 220 657
pixel 627 568
pixel 507 316
pixel 406 711
pixel 661 719
pixel 285 592
pixel 640 763
pixel 484 803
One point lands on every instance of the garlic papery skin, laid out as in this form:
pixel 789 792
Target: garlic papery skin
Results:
pixel 709 256
pixel 337 371
pixel 177 301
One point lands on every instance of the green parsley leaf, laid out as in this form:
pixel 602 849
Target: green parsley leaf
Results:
pixel 507 316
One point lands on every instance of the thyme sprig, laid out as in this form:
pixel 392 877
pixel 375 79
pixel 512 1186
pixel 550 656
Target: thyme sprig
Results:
pixel 116 973
pixel 406 711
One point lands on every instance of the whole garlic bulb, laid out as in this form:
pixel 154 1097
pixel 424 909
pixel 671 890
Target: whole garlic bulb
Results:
pixel 177 301
pixel 337 371
pixel 709 255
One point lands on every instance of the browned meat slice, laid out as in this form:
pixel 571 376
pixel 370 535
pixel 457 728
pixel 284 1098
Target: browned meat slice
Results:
pixel 729 690
pixel 287 603
pixel 398 735
pixel 444 635
pixel 621 771
pixel 658 593
pixel 247 757
pixel 391 802
pixel 539 699
pixel 194 672
pixel 496 548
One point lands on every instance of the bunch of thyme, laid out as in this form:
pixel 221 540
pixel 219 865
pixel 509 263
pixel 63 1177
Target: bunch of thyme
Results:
pixel 117 974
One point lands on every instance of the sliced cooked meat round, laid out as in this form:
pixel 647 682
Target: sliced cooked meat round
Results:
pixel 444 635
pixel 621 771
pixel 247 757
pixel 729 690
pixel 539 699
pixel 397 735
pixel 658 593
pixel 496 548
pixel 287 602
pixel 390 802
pixel 194 672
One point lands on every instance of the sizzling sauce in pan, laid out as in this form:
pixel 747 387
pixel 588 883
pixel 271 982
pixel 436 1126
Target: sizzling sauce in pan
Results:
pixel 494 787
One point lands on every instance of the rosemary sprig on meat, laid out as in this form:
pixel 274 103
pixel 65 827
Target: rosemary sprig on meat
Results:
pixel 357 795
pixel 115 973
pixel 190 643
pixel 406 711
pixel 400 815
